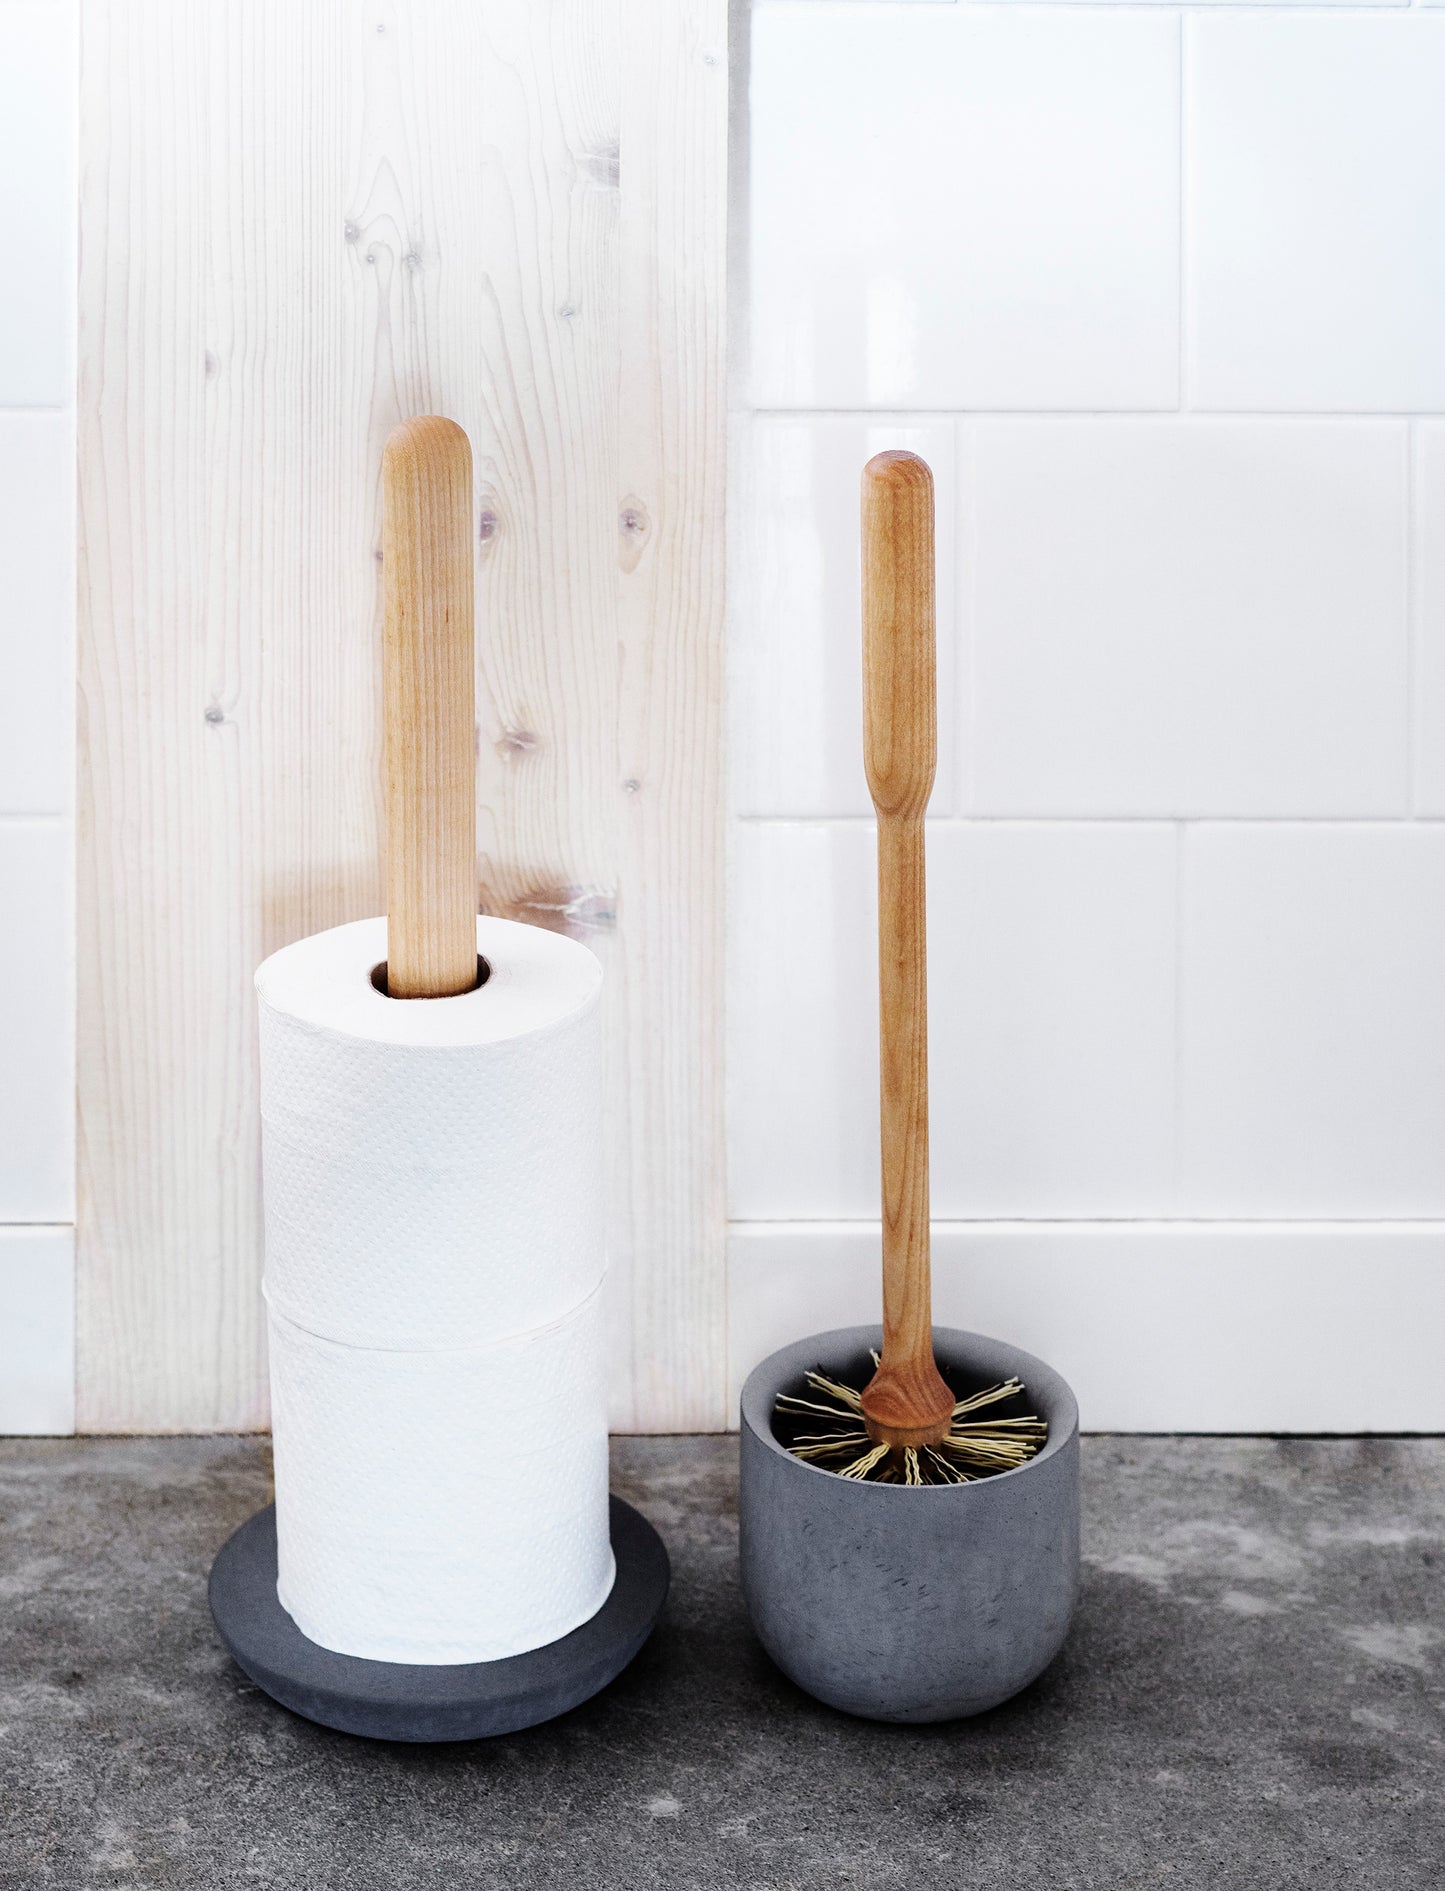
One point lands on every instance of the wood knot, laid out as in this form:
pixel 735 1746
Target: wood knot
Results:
pixel 579 912
pixel 602 168
pixel 517 742
pixel 634 528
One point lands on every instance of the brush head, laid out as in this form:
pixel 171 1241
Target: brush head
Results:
pixel 908 1405
pixel 827 1427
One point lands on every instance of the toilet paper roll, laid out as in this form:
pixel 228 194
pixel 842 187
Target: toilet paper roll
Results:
pixel 413 1522
pixel 433 1167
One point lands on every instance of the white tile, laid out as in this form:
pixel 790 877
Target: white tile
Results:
pixel 795 651
pixel 802 1062
pixel 1198 616
pixel 37 1022
pixel 964 207
pixel 38 84
pixel 37 1329
pixel 1316 189
pixel 1051 1020
pixel 37 612
pixel 1157 1327
pixel 1313 1021
pixel 1430 618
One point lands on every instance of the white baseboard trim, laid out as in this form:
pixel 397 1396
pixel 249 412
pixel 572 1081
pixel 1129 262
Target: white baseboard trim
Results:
pixel 1158 1326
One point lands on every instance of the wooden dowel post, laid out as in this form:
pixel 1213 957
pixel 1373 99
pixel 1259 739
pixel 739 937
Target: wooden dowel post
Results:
pixel 429 710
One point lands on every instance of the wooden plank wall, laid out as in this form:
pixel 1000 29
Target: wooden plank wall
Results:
pixel 299 224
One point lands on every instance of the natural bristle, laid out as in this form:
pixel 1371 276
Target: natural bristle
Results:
pixel 971 1448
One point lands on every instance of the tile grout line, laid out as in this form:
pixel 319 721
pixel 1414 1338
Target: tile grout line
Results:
pixel 1089 819
pixel 1308 9
pixel 834 1226
pixel 1043 416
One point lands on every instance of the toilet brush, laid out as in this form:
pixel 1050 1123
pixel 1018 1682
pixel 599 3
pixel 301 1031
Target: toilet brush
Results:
pixel 907 1425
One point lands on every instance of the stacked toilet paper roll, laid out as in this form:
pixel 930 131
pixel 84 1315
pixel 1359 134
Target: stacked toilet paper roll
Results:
pixel 434 1260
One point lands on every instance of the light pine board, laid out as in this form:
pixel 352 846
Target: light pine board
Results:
pixel 300 224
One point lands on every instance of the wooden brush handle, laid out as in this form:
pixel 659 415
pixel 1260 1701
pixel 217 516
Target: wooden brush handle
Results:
pixel 907 1401
pixel 429 711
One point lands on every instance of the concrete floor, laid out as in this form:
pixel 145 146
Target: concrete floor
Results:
pixel 1253 1696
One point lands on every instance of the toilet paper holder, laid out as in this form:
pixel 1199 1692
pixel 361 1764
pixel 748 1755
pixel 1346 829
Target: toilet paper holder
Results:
pixel 432 951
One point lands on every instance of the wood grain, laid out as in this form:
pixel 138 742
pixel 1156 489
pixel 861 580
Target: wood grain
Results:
pixel 301 225
pixel 428 708
pixel 907 1401
pixel 669 541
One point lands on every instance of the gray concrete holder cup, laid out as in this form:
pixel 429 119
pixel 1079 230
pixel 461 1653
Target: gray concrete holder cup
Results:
pixel 898 1600
pixel 902 1604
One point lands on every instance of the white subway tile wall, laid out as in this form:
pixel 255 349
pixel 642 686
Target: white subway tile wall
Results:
pixel 38 75
pixel 1051 1020
pixel 1312 1021
pixel 1315 181
pixel 37 1332
pixel 1186 617
pixel 37 615
pixel 38 185
pixel 1428 526
pixel 1159 293
pixel 37 1057
pixel 964 206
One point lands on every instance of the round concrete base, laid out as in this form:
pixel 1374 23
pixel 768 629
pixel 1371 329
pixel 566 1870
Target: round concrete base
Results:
pixel 909 1604
pixel 389 1700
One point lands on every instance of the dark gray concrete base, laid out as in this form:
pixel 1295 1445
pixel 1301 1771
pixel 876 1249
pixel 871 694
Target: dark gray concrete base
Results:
pixel 909 1605
pixel 1252 1695
pixel 391 1700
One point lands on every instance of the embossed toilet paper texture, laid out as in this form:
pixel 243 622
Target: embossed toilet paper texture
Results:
pixel 433 1167
pixel 434 1253
pixel 414 1521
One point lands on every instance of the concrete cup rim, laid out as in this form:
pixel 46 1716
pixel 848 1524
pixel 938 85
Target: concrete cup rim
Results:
pixel 764 1382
